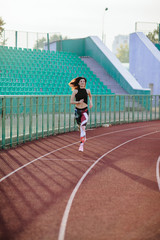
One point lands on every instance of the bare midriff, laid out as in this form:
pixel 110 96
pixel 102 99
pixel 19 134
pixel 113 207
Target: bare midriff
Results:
pixel 81 105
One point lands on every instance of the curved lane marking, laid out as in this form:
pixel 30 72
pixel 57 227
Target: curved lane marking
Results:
pixel 69 145
pixel 157 172
pixel 69 204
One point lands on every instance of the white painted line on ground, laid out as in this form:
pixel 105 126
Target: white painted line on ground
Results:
pixel 72 196
pixel 25 165
pixel 157 172
pixel 69 145
pixel 69 160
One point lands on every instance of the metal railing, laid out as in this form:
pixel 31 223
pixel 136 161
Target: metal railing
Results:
pixel 32 40
pixel 24 118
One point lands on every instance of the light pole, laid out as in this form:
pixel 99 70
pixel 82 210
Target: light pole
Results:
pixel 103 25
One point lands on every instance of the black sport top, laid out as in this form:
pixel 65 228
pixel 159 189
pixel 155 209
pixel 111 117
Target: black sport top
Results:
pixel 82 94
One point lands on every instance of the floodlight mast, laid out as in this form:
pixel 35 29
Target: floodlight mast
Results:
pixel 103 38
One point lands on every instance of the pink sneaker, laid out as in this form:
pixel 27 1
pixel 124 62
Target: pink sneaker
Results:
pixel 83 139
pixel 81 147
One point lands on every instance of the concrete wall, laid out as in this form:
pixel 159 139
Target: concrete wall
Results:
pixel 97 50
pixel 73 46
pixel 144 61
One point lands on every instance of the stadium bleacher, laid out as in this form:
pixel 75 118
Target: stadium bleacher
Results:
pixel 41 72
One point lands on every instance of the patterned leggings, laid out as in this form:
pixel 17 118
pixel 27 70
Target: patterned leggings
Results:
pixel 81 116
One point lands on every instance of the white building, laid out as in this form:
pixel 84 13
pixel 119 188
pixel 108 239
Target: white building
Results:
pixel 118 40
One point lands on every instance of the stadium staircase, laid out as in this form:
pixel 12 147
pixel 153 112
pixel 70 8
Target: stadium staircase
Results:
pixel 104 77
pixel 36 72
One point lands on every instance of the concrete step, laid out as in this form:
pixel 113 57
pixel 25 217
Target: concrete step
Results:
pixel 101 73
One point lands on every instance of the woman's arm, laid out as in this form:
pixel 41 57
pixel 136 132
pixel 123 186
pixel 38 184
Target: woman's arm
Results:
pixel 72 101
pixel 90 98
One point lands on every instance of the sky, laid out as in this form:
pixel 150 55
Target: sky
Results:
pixel 78 19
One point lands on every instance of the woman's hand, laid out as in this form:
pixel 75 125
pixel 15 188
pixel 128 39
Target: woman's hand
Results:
pixel 90 105
pixel 81 101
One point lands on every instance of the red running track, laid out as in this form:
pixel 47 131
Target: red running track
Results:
pixel 48 190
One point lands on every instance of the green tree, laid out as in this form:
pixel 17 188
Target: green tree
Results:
pixel 154 36
pixel 57 37
pixel 2 23
pixel 42 41
pixel 123 53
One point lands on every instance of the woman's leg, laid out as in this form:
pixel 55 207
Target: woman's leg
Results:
pixel 78 117
pixel 84 120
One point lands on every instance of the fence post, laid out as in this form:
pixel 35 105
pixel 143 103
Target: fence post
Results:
pixel 105 109
pixel 37 41
pixel 155 105
pixel 48 115
pixel 48 41
pixel 151 99
pixel 3 121
pixel 100 110
pixel 69 117
pixel 16 38
pixel 37 117
pixel 146 108
pixel 11 119
pixel 95 119
pixel 53 114
pixel 90 115
pixel 133 107
pixel 59 114
pixel 30 119
pixel 24 120
pixel 114 109
pixel 110 101
pixel 42 116
pixel 64 113
pixel 138 109
pixel 142 106
pixel 128 107
pixel 119 108
pixel 18 120
pixel 124 109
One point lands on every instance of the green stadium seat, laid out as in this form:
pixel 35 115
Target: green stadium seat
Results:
pixel 26 71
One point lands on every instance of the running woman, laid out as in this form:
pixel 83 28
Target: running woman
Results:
pixel 79 97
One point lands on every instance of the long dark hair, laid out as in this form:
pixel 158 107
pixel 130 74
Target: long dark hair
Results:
pixel 74 82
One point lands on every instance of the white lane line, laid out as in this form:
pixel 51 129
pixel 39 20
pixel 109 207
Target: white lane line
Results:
pixel 34 160
pixel 25 165
pixel 72 196
pixel 69 160
pixel 157 172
